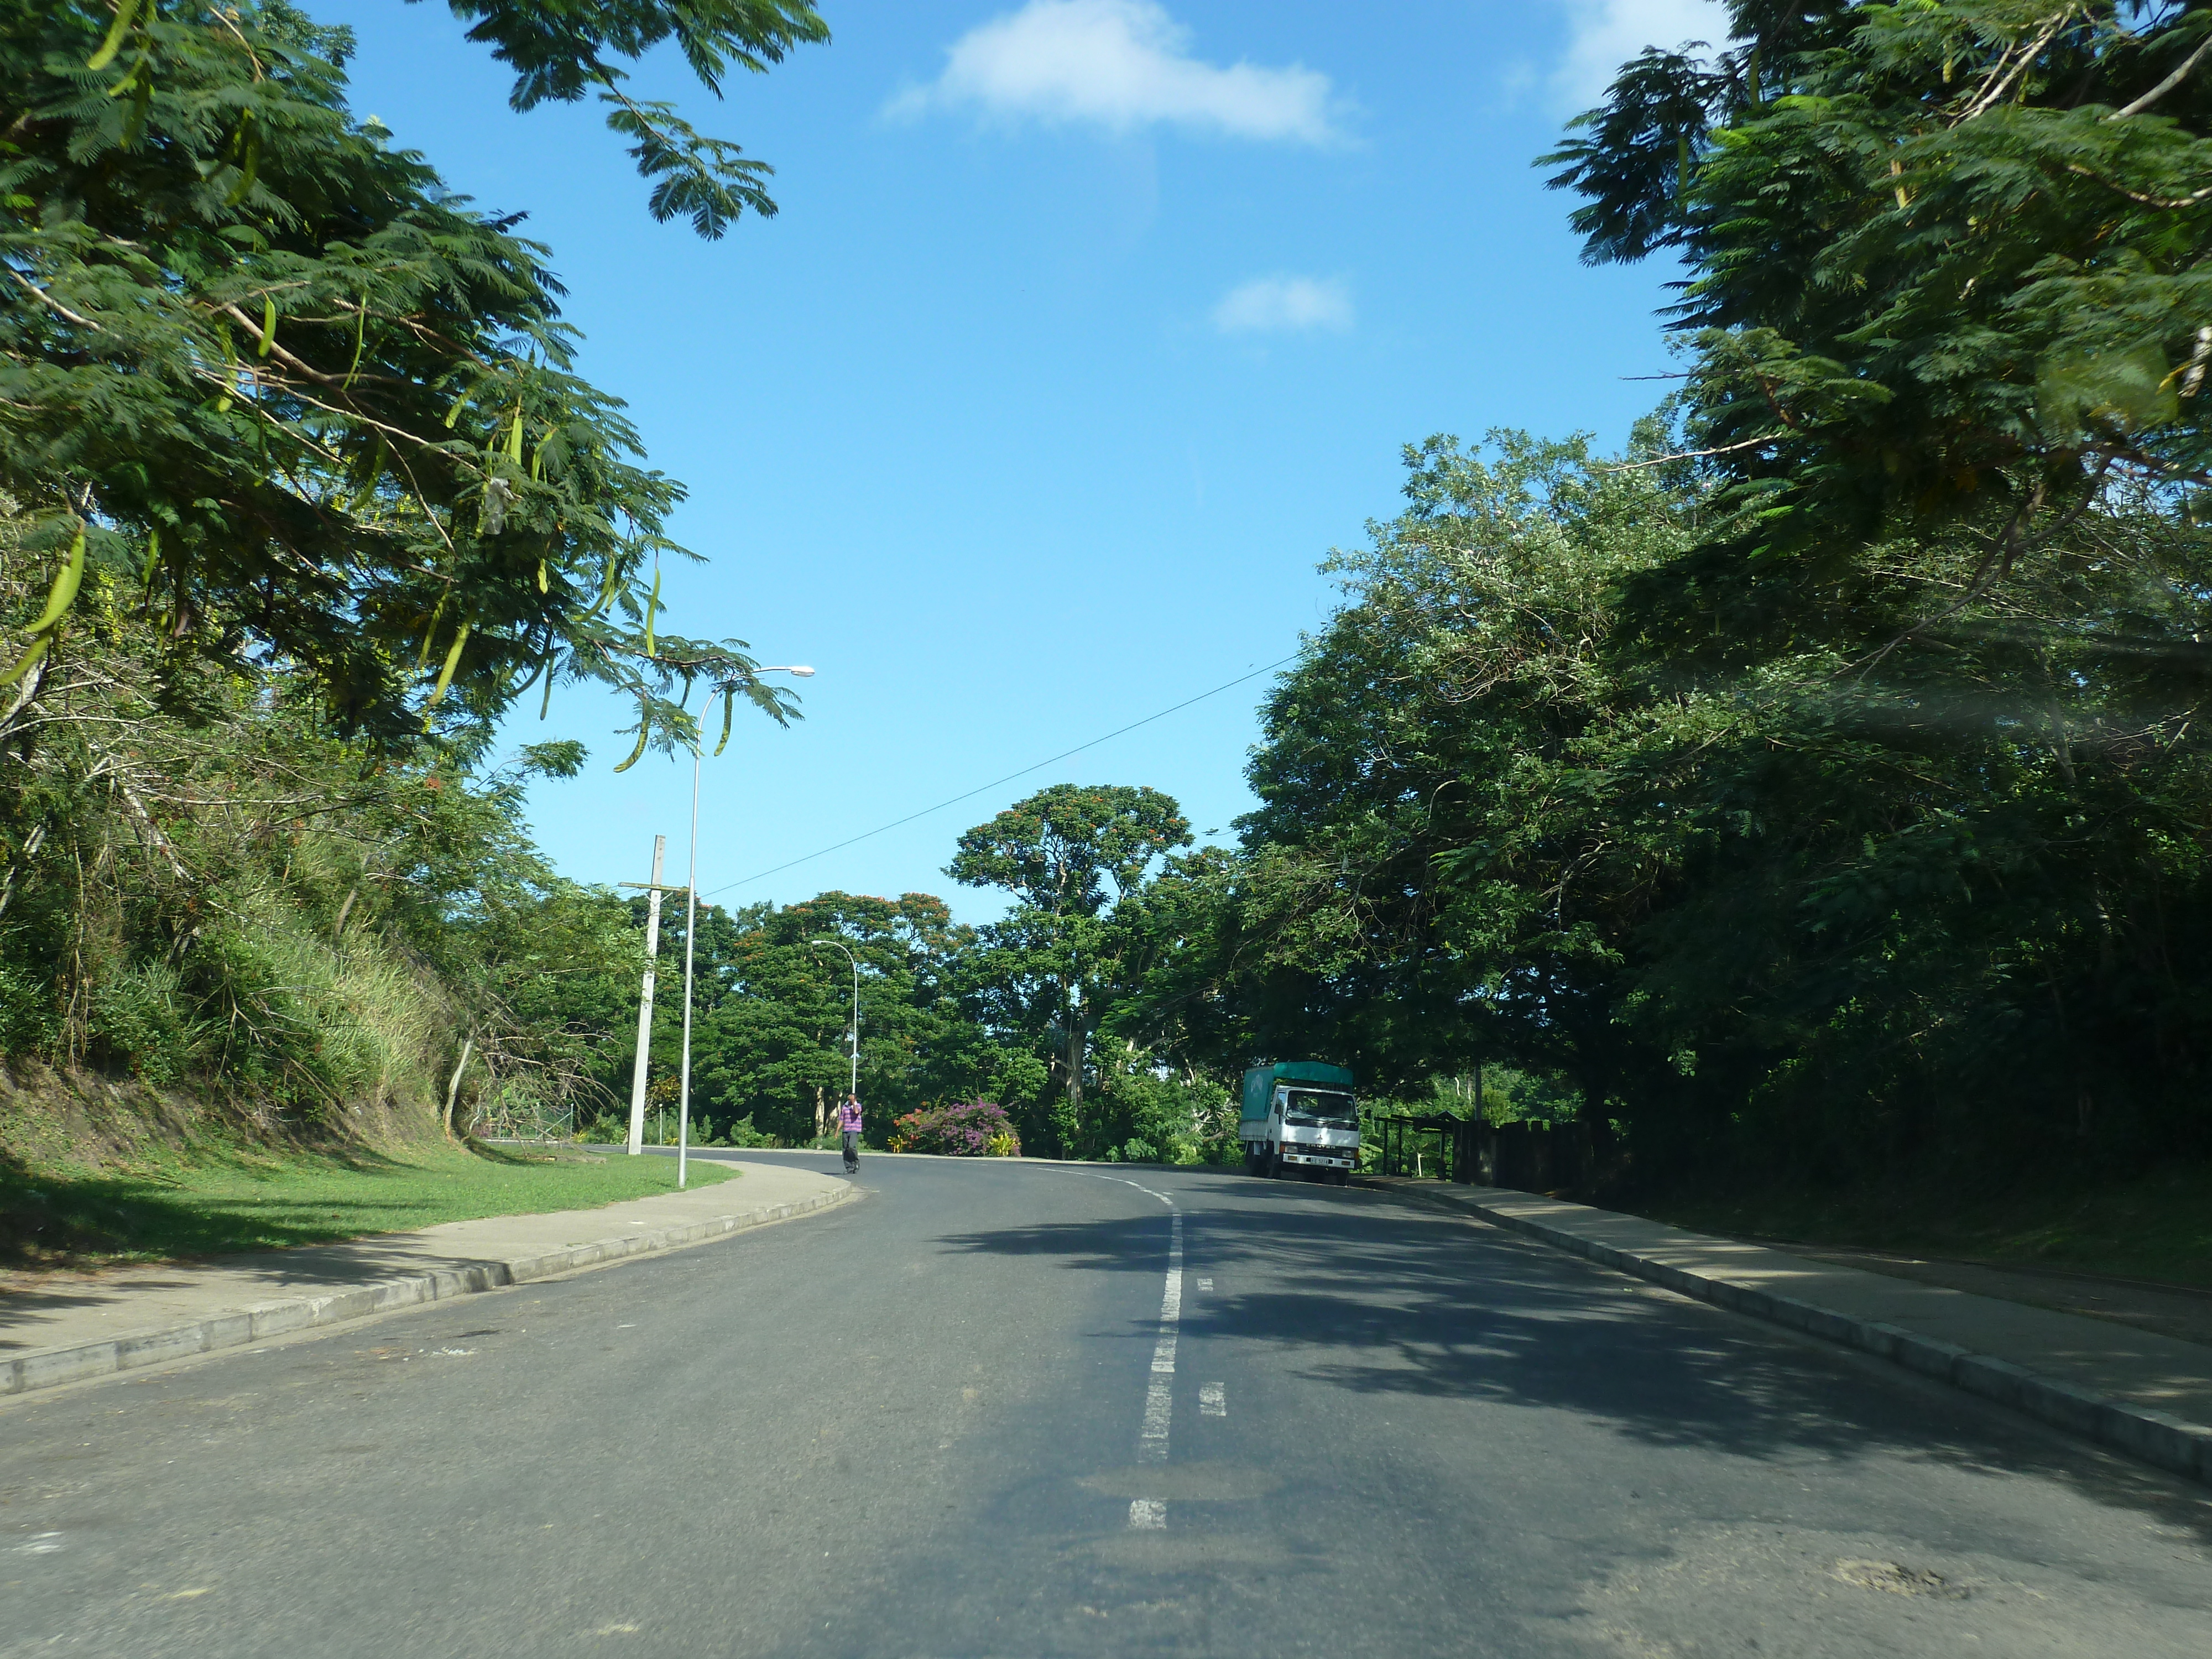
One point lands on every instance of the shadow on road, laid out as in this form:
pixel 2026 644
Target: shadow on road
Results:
pixel 1376 1301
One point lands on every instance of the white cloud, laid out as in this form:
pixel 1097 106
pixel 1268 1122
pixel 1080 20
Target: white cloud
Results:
pixel 1607 34
pixel 1119 64
pixel 1273 305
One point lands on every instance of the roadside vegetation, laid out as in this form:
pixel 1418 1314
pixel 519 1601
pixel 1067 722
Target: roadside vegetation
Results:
pixel 300 494
pixel 1816 793
pixel 1807 805
pixel 204 1200
pixel 2156 1224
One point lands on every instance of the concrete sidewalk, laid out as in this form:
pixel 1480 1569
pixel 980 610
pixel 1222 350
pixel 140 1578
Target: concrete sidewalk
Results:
pixel 2140 1392
pixel 72 1326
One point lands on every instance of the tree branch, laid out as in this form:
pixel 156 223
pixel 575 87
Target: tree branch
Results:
pixel 2165 86
pixel 2201 195
pixel 1690 455
pixel 56 305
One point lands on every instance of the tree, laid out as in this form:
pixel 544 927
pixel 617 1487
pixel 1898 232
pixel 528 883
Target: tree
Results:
pixel 775 1005
pixel 1818 912
pixel 561 53
pixel 1060 852
pixel 1948 268
pixel 203 888
pixel 1950 320
pixel 263 369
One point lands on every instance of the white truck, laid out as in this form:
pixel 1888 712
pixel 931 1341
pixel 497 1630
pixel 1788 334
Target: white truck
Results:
pixel 1299 1115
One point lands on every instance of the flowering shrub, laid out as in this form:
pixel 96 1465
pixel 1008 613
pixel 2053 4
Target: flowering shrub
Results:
pixel 978 1129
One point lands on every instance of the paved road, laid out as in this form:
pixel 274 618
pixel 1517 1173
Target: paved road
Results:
pixel 941 1421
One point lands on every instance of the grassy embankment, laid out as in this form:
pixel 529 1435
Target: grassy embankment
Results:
pixel 2156 1226
pixel 167 1205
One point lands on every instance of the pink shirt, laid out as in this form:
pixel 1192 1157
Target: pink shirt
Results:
pixel 848 1117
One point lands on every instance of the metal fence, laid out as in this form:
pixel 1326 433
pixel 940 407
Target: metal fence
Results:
pixel 517 1115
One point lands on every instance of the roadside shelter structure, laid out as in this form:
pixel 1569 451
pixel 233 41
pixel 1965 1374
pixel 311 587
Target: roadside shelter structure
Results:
pixel 1432 1144
pixel 1533 1157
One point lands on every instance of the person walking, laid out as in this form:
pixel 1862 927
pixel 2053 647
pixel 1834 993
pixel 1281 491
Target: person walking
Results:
pixel 848 1125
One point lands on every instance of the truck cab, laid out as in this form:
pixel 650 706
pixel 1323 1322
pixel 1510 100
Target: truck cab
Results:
pixel 1299 1116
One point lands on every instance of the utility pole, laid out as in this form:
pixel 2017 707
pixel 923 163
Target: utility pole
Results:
pixel 690 935
pixel 691 914
pixel 653 890
pixel 690 890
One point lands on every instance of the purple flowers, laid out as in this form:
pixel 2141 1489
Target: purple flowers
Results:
pixel 978 1129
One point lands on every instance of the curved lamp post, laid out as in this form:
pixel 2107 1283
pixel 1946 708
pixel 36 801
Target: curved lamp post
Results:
pixel 691 920
pixel 839 944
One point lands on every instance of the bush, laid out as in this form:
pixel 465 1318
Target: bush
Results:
pixel 978 1129
pixel 137 1021
pixel 30 1020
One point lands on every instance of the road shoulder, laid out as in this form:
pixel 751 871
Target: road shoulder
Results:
pixel 78 1327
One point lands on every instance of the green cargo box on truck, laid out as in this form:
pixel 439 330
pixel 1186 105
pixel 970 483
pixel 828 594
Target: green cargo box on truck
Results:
pixel 1300 1118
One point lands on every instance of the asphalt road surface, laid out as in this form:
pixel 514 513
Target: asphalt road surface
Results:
pixel 988 1409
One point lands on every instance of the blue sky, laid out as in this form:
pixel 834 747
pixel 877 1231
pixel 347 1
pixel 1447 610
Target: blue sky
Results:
pixel 1087 328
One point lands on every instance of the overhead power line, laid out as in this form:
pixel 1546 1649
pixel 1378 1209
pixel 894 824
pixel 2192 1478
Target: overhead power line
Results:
pixel 985 788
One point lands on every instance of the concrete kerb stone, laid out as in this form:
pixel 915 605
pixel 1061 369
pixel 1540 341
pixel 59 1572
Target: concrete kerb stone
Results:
pixel 237 1327
pixel 2154 1436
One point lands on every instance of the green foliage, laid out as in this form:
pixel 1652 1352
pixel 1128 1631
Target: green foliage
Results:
pixel 562 53
pixel 1947 264
pixel 1764 895
pixel 772 1005
pixel 219 1198
pixel 298 493
pixel 1047 974
pixel 1819 790
pixel 138 1018
pixel 1176 1117
pixel 289 393
pixel 1058 850
pixel 951 1014
pixel 201 887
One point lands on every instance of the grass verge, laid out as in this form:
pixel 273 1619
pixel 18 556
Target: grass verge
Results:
pixel 2156 1227
pixel 215 1201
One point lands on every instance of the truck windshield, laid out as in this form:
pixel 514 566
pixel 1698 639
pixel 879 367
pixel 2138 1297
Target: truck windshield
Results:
pixel 1309 1106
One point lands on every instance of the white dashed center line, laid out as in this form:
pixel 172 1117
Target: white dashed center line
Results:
pixel 1159 1398
pixel 1151 1514
pixel 1212 1399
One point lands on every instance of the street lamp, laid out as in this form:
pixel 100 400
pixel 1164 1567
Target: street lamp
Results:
pixel 855 1090
pixel 691 919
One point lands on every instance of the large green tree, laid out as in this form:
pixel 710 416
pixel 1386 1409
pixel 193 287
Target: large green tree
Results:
pixel 1825 911
pixel 202 887
pixel 1949 265
pixel 261 364
pixel 770 1043
pixel 1073 856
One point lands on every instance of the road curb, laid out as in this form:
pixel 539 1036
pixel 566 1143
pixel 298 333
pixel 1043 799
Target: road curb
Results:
pixel 2142 1431
pixel 235 1327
